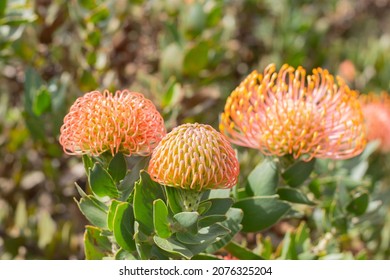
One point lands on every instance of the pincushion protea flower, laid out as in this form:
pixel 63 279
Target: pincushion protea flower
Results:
pixel 194 157
pixel 376 111
pixel 289 113
pixel 124 122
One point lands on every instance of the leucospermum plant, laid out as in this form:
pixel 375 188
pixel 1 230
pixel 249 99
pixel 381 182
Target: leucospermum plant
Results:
pixel 306 126
pixel 177 195
pixel 175 215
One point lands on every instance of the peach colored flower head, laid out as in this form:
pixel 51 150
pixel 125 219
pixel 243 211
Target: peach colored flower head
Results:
pixel 376 110
pixel 124 122
pixel 194 156
pixel 289 112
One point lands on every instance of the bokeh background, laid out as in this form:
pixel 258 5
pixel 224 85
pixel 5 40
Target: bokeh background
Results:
pixel 186 56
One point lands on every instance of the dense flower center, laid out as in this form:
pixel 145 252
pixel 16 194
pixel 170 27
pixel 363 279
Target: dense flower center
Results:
pixel 194 156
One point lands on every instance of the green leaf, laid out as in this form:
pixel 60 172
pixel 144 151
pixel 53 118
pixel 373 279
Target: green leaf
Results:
pixel 204 207
pixel 233 223
pixel 160 219
pixel 124 255
pixel 219 206
pixel 101 13
pixel 194 19
pixel 240 252
pixel 87 81
pixel 88 4
pixel 267 249
pixel 315 188
pixel 173 200
pixel 294 195
pixel 94 210
pixel 144 248
pixel 219 193
pixel 117 167
pixel 34 124
pixel 80 190
pixel 204 235
pixel 88 164
pixel 214 16
pixel 187 220
pixel 42 101
pixel 196 59
pixel 111 214
pixel 288 249
pixel 96 246
pixel 32 84
pixel 3 6
pixel 210 220
pixel 264 179
pixel 261 212
pixel 302 237
pixel 359 204
pixel 171 96
pixel 297 174
pixel 146 191
pixel 341 223
pixel 126 186
pixel 123 226
pixel 102 183
pixel 172 246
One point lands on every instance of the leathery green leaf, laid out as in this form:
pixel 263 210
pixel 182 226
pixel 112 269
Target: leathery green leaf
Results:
pixel 160 219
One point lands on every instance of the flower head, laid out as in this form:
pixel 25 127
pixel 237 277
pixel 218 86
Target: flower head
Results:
pixel 194 156
pixel 291 113
pixel 124 122
pixel 376 110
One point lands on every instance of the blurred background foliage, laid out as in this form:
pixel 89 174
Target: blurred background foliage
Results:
pixel 186 56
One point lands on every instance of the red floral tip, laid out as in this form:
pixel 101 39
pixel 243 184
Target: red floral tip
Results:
pixel 124 122
pixel 376 110
pixel 194 156
pixel 289 112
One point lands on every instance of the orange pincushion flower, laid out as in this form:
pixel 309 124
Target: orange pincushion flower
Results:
pixel 124 122
pixel 194 156
pixel 376 110
pixel 291 113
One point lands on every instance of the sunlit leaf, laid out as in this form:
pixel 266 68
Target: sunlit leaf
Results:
pixel 102 183
pixel 96 246
pixel 264 179
pixel 160 219
pixel 123 226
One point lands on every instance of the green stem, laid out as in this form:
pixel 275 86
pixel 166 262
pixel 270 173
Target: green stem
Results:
pixel 189 199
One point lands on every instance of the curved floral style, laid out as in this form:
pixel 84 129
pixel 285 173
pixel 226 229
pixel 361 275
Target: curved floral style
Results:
pixel 124 122
pixel 376 111
pixel 196 157
pixel 289 112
